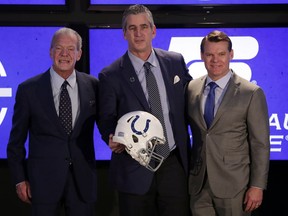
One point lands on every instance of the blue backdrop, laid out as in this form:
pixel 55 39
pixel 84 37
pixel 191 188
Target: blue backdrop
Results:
pixel 260 56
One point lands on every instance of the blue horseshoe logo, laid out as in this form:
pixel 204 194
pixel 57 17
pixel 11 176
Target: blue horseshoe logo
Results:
pixel 137 131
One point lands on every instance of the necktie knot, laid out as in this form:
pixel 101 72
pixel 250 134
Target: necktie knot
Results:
pixel 147 67
pixel 64 85
pixel 213 86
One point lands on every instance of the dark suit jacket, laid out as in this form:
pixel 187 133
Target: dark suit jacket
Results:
pixel 235 149
pixel 120 93
pixel 49 148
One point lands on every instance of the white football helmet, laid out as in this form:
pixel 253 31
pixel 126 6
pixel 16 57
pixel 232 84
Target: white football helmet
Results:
pixel 140 132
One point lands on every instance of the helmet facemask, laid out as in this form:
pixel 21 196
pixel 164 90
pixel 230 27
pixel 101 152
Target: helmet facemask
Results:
pixel 147 156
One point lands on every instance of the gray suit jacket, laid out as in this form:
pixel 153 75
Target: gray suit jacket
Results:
pixel 235 149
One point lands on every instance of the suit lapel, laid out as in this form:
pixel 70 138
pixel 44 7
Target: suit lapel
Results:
pixel 168 77
pixel 45 95
pixel 132 80
pixel 199 88
pixel 232 89
pixel 83 92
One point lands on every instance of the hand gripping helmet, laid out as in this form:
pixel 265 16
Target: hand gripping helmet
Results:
pixel 140 132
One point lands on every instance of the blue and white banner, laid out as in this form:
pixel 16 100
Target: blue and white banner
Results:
pixel 260 56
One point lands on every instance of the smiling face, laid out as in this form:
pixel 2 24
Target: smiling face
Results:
pixel 139 33
pixel 64 54
pixel 216 57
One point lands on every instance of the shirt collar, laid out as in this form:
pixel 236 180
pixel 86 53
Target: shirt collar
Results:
pixel 152 59
pixel 221 82
pixel 138 63
pixel 57 80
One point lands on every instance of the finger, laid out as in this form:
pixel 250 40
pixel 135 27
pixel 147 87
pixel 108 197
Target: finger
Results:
pixel 111 136
pixel 249 207
pixel 29 194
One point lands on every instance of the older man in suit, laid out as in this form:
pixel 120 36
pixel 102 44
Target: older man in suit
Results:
pixel 122 90
pixel 61 167
pixel 230 152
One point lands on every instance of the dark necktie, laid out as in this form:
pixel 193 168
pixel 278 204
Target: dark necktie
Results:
pixel 65 109
pixel 155 106
pixel 210 104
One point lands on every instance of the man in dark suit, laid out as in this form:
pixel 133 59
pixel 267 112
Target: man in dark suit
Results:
pixel 61 168
pixel 123 89
pixel 230 153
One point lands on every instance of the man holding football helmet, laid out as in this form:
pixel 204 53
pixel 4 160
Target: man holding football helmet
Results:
pixel 148 183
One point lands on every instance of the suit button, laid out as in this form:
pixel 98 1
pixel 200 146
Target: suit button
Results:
pixel 69 160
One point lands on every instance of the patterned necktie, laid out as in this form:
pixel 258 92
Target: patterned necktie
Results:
pixel 155 106
pixel 65 108
pixel 210 104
